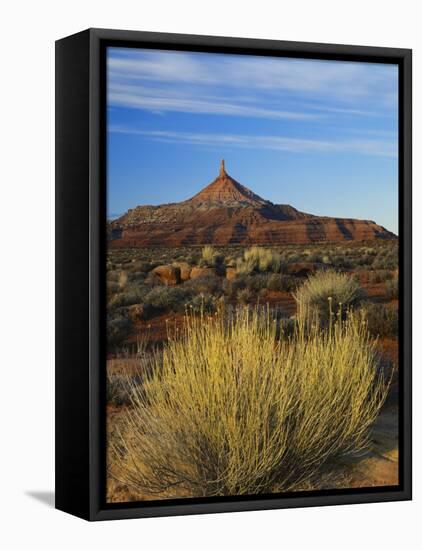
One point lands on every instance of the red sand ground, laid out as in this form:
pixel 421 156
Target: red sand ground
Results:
pixel 380 465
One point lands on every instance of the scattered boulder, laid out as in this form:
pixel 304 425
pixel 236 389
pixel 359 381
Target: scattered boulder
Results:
pixel 185 270
pixel 168 274
pixel 302 269
pixel 231 273
pixel 140 312
pixel 197 272
pixel 153 279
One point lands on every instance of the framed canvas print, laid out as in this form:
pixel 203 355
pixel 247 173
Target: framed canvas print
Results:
pixel 233 274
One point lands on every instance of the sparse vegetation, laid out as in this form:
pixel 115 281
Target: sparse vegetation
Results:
pixel 327 293
pixel 118 390
pixel 122 279
pixel 392 287
pixel 210 257
pixel 244 295
pixel 230 408
pixel 258 259
pixel 203 303
pixel 225 344
pixel 166 298
pixel 117 331
pixel 281 283
pixel 382 319
pixel 260 274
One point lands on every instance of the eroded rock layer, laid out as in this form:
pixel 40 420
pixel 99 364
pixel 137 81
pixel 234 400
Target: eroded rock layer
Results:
pixel 226 212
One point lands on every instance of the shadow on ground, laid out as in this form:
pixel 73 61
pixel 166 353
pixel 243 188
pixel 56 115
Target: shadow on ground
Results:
pixel 45 497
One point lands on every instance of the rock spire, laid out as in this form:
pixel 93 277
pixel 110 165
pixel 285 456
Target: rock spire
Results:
pixel 222 169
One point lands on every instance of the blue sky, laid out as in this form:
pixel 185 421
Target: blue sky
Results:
pixel 319 135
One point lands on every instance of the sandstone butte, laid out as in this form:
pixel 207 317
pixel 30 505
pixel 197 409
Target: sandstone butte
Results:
pixel 226 212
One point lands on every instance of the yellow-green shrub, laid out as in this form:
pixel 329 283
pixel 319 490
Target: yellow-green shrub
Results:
pixel 259 259
pixel 325 293
pixel 210 256
pixel 231 409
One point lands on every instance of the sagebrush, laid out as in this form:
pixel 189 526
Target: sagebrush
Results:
pixel 328 293
pixel 231 408
pixel 259 259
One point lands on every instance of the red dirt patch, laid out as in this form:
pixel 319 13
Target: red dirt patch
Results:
pixel 157 328
pixel 389 347
pixel 284 300
pixel 375 291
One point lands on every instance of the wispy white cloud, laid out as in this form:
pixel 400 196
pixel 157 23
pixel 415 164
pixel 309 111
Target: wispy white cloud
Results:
pixel 346 79
pixel 362 146
pixel 158 66
pixel 252 86
pixel 142 97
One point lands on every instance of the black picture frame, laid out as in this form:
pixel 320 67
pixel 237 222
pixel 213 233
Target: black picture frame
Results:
pixel 80 272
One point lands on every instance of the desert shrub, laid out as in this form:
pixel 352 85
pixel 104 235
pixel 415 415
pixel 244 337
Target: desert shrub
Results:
pixel 339 261
pixel 192 258
pixel 364 260
pixel 112 275
pixel 287 326
pixel 244 296
pixel 122 279
pixel 132 294
pixel 281 283
pixel 153 280
pixel 208 254
pixel 143 267
pixel 239 282
pixel 202 303
pixel 275 282
pixel 118 390
pixel 386 258
pixel 259 259
pixel 369 250
pixel 256 282
pixel 379 276
pixel 208 284
pixel 167 298
pixel 382 263
pixel 112 287
pixel 326 293
pixel 382 319
pixel 137 277
pixel 295 257
pixel 210 257
pixel 392 288
pixel 117 331
pixel 227 288
pixel 231 410
pixel 314 257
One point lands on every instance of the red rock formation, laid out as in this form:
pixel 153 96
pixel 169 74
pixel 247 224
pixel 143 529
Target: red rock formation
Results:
pixel 226 212
pixel 168 274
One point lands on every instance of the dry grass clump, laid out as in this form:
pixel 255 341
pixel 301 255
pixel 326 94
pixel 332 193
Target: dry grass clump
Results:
pixel 208 254
pixel 326 293
pixel 122 279
pixel 392 287
pixel 259 259
pixel 118 391
pixel 210 257
pixel 232 409
pixel 382 319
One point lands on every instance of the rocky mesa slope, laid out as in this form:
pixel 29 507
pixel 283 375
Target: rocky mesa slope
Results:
pixel 226 212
